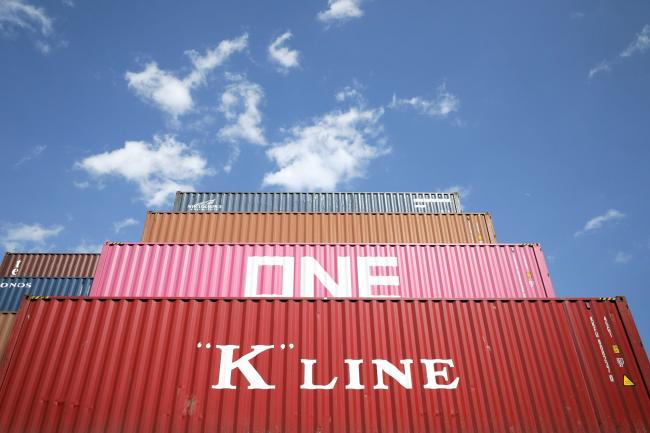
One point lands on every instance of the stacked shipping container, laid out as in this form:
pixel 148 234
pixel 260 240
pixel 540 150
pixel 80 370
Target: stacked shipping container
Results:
pixel 127 360
pixel 344 202
pixel 323 366
pixel 322 270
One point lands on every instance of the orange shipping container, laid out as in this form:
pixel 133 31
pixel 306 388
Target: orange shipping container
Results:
pixel 224 227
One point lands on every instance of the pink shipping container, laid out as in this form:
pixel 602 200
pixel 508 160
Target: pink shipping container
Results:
pixel 315 270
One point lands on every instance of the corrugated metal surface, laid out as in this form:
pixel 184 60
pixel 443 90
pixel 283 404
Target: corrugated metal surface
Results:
pixel 6 325
pixel 318 227
pixel 13 290
pixel 167 366
pixel 48 265
pixel 344 270
pixel 409 202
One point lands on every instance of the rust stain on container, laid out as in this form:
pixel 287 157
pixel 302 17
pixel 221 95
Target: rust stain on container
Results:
pixel 72 265
pixel 318 227
pixel 297 365
pixel 6 325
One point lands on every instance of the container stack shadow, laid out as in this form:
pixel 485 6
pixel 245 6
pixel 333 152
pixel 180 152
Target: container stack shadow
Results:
pixel 312 312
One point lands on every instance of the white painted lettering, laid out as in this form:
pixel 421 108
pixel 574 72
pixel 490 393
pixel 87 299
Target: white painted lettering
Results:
pixel 243 364
pixel 366 280
pixel 354 366
pixel 310 269
pixel 433 374
pixel 308 383
pixel 253 265
pixel 385 367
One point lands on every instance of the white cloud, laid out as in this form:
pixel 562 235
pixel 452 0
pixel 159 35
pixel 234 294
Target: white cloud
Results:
pixel 463 191
pixel 240 104
pixel 577 15
pixel 603 66
pixel 159 169
pixel 127 222
pixel 17 14
pixel 349 93
pixel 442 105
pixel 233 156
pixel 32 154
pixel 341 10
pixel 86 247
pixel 81 184
pixel 14 237
pixel 622 258
pixel 640 44
pixel 283 56
pixel 172 94
pixel 169 93
pixel 213 58
pixel 334 148
pixel 598 221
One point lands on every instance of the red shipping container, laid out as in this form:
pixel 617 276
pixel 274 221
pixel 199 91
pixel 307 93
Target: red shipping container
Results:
pixel 317 270
pixel 290 365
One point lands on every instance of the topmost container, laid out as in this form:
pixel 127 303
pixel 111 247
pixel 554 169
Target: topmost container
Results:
pixel 364 202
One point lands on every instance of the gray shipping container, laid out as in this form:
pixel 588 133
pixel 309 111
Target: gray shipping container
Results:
pixel 366 202
pixel 13 290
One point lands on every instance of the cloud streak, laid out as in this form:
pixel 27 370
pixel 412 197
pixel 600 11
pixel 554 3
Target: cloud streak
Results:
pixel 121 225
pixel 14 237
pixel 17 14
pixel 442 105
pixel 601 67
pixel 640 44
pixel 599 221
pixel 33 154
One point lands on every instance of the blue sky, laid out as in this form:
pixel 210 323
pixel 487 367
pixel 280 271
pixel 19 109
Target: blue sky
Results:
pixel 538 113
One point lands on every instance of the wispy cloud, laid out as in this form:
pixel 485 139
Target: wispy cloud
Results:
pixel 87 247
pixel 18 15
pixel 34 153
pixel 173 95
pixel 442 105
pixel 622 258
pixel 577 15
pixel 463 191
pixel 603 66
pixel 122 224
pixel 20 236
pixel 240 104
pixel 284 57
pixel 350 93
pixel 331 149
pixel 640 44
pixel 341 11
pixel 159 169
pixel 597 222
